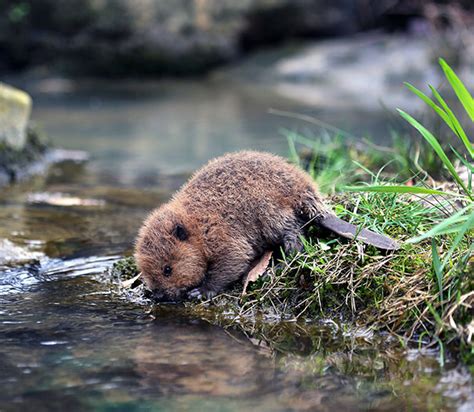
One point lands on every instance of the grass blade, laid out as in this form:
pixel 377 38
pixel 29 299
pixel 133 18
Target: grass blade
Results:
pixel 463 95
pixel 469 166
pixel 438 268
pixel 437 148
pixel 455 124
pixel 444 226
pixel 398 189
pixel 439 111
pixel 469 225
pixel 292 148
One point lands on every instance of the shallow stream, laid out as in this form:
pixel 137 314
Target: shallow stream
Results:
pixel 69 342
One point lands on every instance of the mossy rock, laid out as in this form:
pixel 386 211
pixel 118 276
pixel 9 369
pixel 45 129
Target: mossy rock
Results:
pixel 15 109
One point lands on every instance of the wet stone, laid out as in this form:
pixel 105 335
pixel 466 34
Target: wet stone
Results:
pixel 11 254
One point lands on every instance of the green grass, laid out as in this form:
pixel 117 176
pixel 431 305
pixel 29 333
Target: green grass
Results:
pixel 425 290
pixel 452 236
pixel 358 285
pixel 413 192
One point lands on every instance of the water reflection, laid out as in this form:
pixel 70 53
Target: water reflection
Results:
pixel 70 341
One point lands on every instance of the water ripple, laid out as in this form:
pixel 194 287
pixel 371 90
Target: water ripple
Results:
pixel 21 279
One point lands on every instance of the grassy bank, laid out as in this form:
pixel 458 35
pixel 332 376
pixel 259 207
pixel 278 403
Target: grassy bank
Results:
pixel 356 285
pixel 414 192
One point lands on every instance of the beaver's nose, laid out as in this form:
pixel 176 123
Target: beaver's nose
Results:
pixel 158 295
pixel 155 295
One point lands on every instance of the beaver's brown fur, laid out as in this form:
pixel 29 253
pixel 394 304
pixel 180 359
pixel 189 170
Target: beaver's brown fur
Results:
pixel 221 222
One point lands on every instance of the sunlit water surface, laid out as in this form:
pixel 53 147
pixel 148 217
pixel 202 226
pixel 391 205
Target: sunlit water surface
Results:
pixel 69 342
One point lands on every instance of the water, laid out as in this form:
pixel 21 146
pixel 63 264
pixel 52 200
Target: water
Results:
pixel 136 131
pixel 68 341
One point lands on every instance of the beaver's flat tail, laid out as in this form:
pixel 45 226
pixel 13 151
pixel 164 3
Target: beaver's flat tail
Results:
pixel 350 231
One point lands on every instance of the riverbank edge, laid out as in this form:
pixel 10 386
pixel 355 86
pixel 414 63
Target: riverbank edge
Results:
pixel 341 282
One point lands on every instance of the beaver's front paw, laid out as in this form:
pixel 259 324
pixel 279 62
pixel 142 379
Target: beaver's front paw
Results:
pixel 201 294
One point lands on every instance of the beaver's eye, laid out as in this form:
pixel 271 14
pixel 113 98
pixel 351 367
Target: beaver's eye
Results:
pixel 167 270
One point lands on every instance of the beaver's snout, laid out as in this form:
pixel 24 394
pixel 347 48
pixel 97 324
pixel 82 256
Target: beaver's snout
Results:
pixel 159 296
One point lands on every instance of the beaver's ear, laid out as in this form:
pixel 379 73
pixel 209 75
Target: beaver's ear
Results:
pixel 180 232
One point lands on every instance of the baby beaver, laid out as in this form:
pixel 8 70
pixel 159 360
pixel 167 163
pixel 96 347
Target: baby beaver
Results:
pixel 225 218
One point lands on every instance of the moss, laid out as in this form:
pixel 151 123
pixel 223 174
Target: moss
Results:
pixel 124 269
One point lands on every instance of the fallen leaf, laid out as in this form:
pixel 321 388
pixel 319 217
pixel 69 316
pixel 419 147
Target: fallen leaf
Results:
pixel 128 283
pixel 258 270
